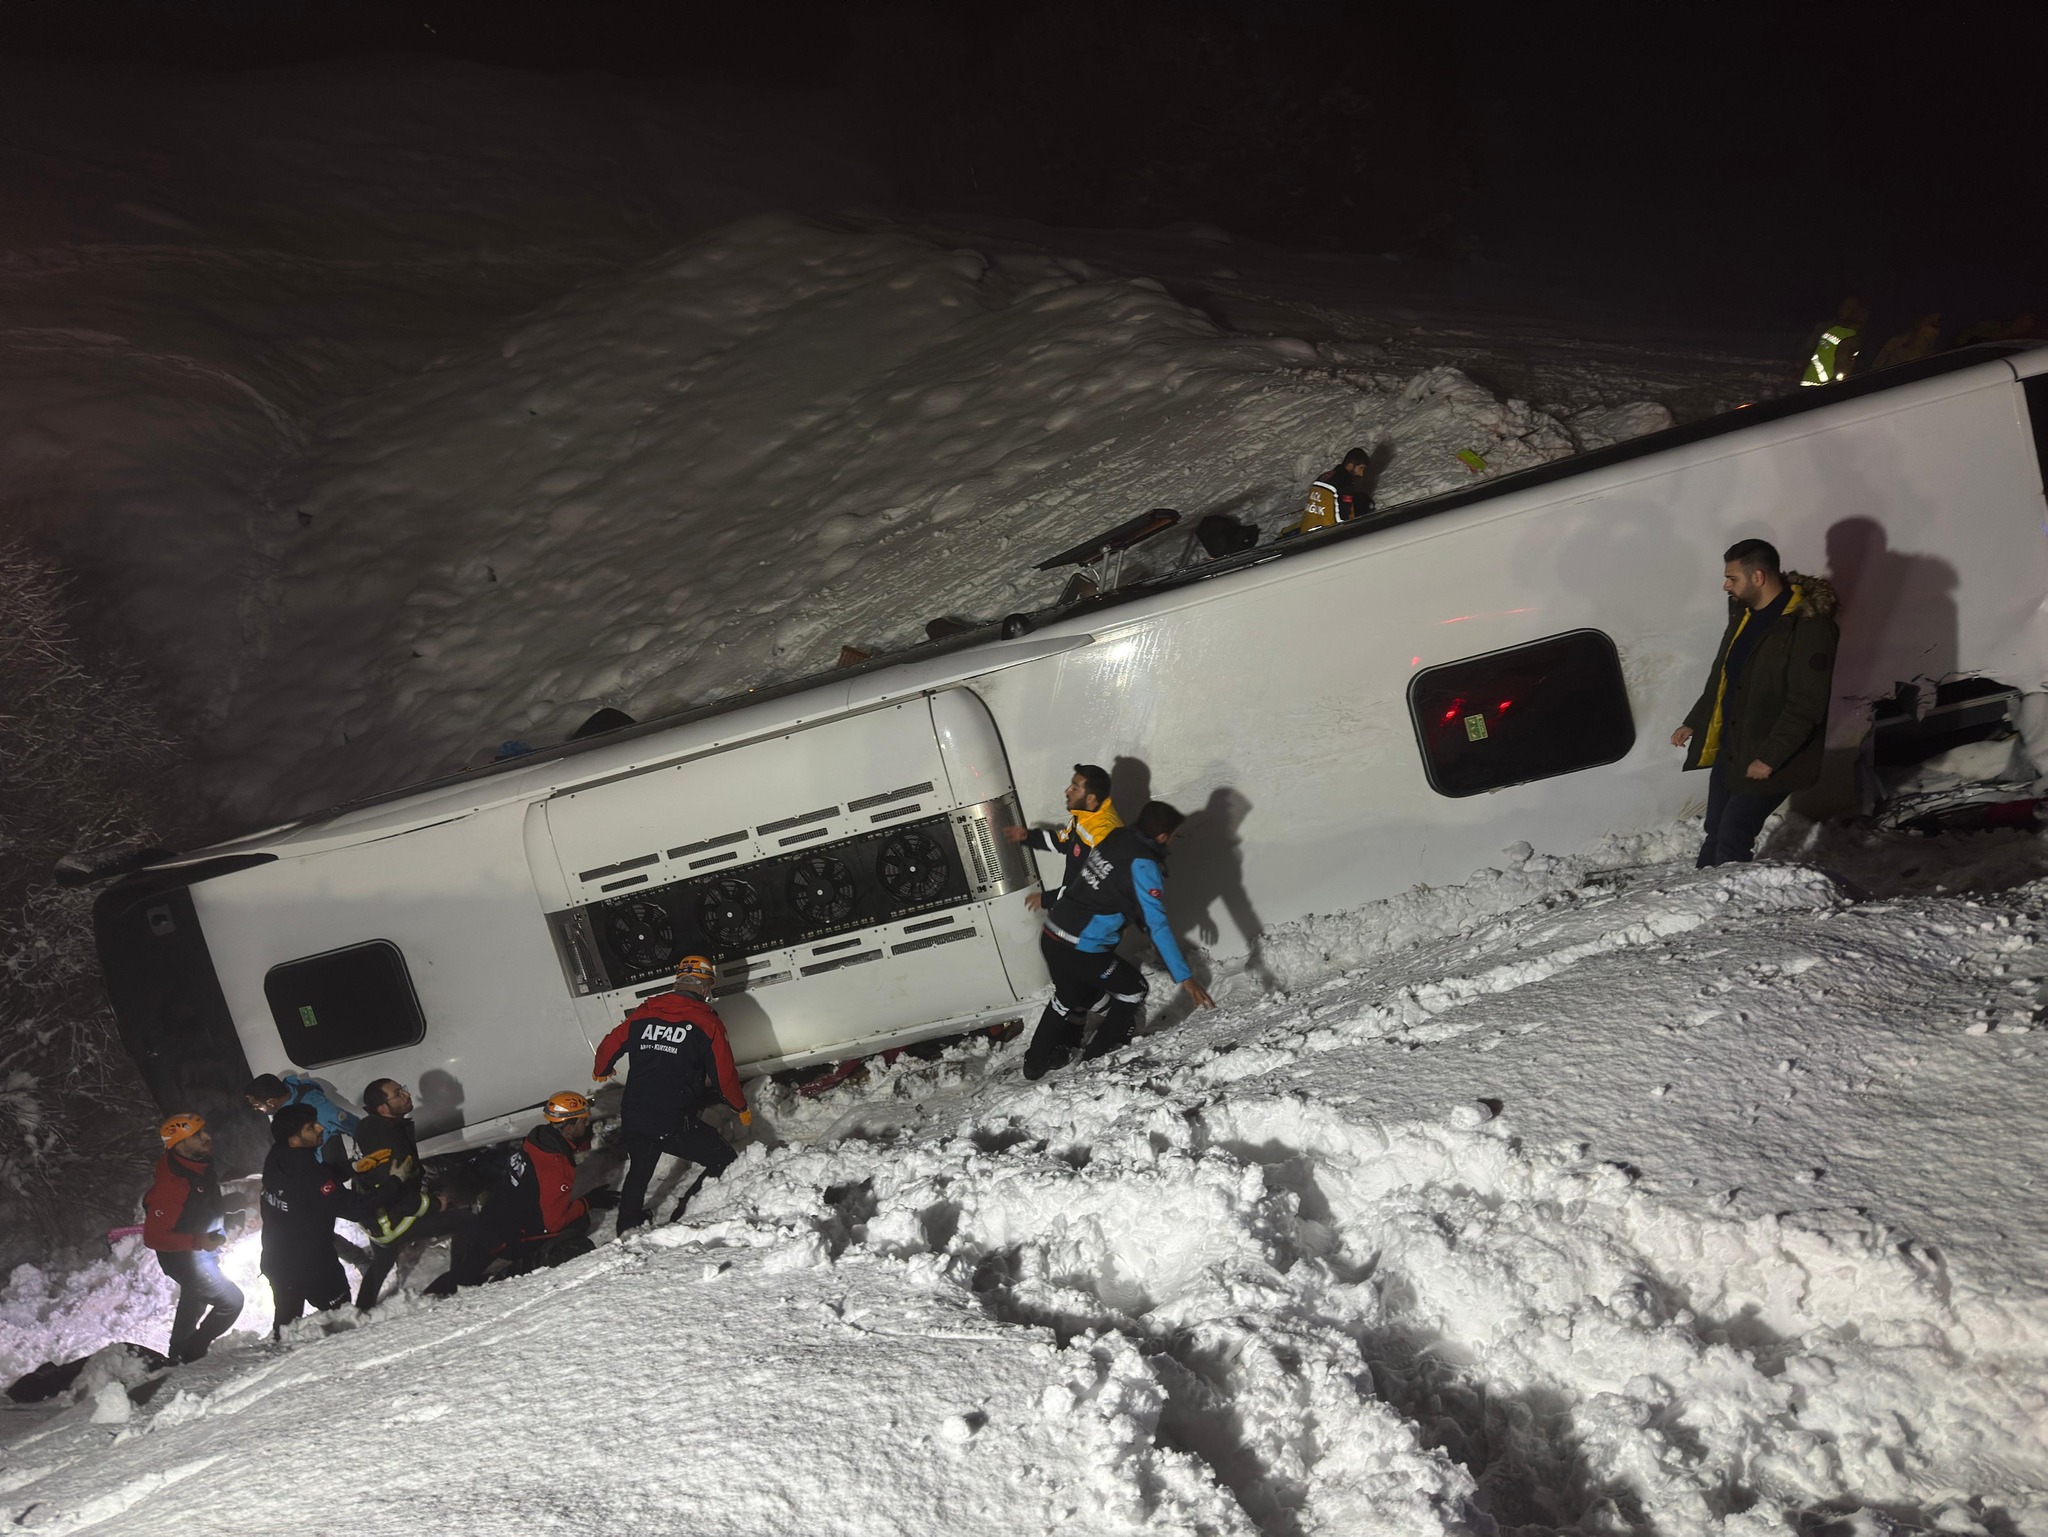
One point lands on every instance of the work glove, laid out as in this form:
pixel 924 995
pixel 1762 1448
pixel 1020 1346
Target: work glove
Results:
pixel 746 1118
pixel 603 1198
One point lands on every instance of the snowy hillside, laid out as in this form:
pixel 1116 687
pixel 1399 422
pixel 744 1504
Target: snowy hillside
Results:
pixel 1589 1196
pixel 385 456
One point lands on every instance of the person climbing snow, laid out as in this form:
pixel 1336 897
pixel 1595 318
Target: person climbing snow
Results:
pixel 679 1064
pixel 1119 879
pixel 303 1194
pixel 184 1219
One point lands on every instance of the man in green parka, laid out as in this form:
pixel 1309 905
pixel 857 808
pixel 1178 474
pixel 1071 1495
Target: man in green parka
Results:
pixel 1761 722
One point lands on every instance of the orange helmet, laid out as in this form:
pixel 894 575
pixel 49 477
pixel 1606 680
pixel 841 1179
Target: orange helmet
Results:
pixel 566 1106
pixel 695 969
pixel 179 1127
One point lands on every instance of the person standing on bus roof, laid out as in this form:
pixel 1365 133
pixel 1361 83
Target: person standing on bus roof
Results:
pixel 1092 817
pixel 1760 724
pixel 1122 878
pixel 1342 496
pixel 1835 349
pixel 680 1063
pixel 401 1211
pixel 184 1221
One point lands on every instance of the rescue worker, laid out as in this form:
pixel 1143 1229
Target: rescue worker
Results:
pixel 1833 354
pixel 267 1094
pixel 399 1210
pixel 302 1196
pixel 531 1216
pixel 681 1063
pixel 1760 725
pixel 184 1220
pixel 1340 496
pixel 1092 817
pixel 1120 879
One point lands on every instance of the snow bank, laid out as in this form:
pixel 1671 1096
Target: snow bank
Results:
pixel 717 469
pixel 1583 1197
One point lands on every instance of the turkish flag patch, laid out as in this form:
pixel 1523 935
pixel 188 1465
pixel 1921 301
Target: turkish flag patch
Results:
pixel 1156 891
pixel 329 1188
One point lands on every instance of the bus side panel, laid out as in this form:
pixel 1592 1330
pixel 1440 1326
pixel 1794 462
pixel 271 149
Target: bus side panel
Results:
pixel 458 901
pixel 629 849
pixel 1274 707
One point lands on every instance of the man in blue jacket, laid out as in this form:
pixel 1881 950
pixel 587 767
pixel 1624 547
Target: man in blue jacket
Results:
pixel 1121 878
pixel 267 1094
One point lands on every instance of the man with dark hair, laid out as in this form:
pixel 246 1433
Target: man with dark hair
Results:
pixel 1760 725
pixel 679 1064
pixel 400 1210
pixel 1092 816
pixel 184 1220
pixel 267 1093
pixel 1121 878
pixel 1340 496
pixel 302 1196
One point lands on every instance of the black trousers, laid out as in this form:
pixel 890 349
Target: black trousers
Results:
pixel 1733 821
pixel 208 1302
pixel 696 1142
pixel 1080 981
pixel 453 1223
pixel 481 1245
pixel 291 1294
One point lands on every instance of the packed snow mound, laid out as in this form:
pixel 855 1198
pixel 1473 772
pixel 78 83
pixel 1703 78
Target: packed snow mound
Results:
pixel 1589 1195
pixel 715 470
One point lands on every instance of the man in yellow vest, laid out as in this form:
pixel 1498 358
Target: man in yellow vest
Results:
pixel 1835 351
pixel 1760 725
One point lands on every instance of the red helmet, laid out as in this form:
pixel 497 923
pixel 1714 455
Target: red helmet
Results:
pixel 694 971
pixel 566 1106
pixel 179 1127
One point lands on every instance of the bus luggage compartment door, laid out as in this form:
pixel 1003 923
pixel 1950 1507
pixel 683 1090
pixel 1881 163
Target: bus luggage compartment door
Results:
pixel 850 881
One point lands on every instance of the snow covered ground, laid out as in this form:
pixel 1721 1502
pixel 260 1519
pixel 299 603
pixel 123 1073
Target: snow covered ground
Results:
pixel 1595 1194
pixel 1592 1194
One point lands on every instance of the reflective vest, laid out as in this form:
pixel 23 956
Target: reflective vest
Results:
pixel 1323 509
pixel 1820 368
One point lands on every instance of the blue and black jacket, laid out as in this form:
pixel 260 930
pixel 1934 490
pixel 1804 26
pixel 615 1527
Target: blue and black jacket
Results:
pixel 304 1091
pixel 1121 878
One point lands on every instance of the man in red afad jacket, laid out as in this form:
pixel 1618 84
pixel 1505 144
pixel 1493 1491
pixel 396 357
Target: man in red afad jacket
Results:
pixel 183 1219
pixel 680 1064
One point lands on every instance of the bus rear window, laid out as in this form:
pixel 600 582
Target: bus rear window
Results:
pixel 346 1003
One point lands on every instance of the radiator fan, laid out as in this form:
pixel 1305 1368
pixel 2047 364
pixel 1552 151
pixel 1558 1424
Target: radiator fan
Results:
pixel 639 935
pixel 821 889
pixel 730 912
pixel 911 866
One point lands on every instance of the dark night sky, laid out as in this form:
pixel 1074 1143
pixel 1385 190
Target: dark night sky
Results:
pixel 1762 157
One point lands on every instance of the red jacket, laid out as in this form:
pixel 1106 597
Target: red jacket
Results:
pixel 681 1062
pixel 532 1200
pixel 183 1204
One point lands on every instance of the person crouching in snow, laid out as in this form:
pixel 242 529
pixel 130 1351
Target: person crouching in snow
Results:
pixel 680 1064
pixel 184 1220
pixel 302 1196
pixel 531 1216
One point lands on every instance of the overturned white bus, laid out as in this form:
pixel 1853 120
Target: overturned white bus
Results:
pixel 1347 713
